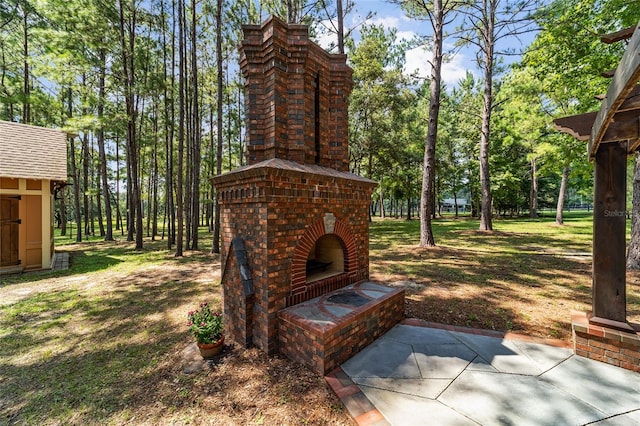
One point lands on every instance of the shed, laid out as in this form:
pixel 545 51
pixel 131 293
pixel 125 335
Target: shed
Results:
pixel 33 168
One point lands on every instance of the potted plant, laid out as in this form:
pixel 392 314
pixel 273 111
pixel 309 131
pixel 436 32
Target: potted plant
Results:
pixel 206 327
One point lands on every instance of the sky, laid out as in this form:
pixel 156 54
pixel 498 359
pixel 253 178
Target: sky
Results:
pixel 391 16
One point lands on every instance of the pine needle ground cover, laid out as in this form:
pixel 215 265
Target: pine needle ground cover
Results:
pixel 103 342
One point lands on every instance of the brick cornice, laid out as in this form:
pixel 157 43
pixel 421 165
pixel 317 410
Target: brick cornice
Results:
pixel 276 167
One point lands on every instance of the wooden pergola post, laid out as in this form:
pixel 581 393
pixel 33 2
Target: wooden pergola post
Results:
pixel 613 133
pixel 609 243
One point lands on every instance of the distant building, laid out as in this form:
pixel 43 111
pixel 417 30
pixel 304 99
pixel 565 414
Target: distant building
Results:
pixel 448 205
pixel 33 167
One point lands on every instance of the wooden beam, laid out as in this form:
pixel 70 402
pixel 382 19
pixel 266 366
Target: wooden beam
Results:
pixel 634 144
pixel 578 126
pixel 618 35
pixel 625 126
pixel 624 122
pixel 624 81
pixel 632 101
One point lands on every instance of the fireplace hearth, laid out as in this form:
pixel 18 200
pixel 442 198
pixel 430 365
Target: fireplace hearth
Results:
pixel 294 220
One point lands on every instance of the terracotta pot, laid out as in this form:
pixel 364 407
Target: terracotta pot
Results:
pixel 209 350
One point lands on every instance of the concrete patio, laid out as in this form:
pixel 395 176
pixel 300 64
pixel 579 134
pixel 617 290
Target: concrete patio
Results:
pixel 417 375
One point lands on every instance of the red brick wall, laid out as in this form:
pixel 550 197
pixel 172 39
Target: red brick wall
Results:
pixel 273 209
pixel 238 325
pixel 324 348
pixel 604 344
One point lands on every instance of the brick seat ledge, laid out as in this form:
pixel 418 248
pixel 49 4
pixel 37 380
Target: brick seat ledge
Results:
pixel 323 334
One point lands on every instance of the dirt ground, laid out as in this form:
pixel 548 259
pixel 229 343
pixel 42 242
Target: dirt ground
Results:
pixel 125 376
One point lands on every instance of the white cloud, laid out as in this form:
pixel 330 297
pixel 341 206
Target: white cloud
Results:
pixel 405 35
pixel 453 71
pixel 327 40
pixel 386 21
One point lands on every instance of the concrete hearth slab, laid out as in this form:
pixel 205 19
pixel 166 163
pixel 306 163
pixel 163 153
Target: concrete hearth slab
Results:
pixel 326 309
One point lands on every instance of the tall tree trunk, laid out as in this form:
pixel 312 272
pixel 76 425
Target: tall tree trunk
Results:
pixel 633 251
pixel 181 130
pixel 212 157
pixel 455 201
pixel 216 226
pixel 169 119
pixel 195 129
pixel 488 46
pixel 229 129
pixel 74 172
pixel 26 105
pixel 427 200
pixel 91 185
pixel 293 11
pixel 240 118
pixel 129 204
pixel 563 194
pixel 99 204
pixel 154 198
pixel 119 224
pixel 149 188
pixel 533 194
pixel 486 222
pixel 340 13
pixel 76 190
pixel 127 39
pixel 63 212
pixel 188 141
pixel 85 182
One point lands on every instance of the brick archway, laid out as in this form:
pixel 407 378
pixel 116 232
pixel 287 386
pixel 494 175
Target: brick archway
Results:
pixel 300 289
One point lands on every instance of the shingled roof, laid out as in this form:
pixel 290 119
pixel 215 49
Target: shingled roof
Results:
pixel 32 152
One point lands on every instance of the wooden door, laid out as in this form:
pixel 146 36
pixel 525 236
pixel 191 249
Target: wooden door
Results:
pixel 9 230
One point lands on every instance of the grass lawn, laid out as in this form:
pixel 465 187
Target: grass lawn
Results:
pixel 103 342
pixel 526 276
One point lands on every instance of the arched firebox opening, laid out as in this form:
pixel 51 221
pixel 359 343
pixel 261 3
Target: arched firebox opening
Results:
pixel 325 259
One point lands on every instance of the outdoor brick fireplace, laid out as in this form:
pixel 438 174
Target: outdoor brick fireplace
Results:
pixel 295 222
